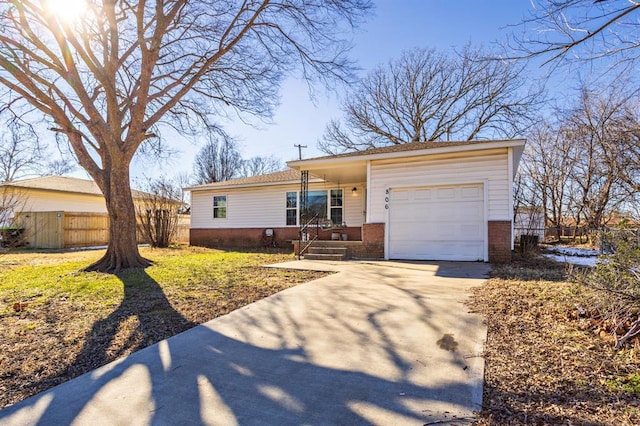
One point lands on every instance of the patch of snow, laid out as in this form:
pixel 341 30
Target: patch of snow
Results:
pixel 573 251
pixel 573 260
pixel 86 248
pixel 98 247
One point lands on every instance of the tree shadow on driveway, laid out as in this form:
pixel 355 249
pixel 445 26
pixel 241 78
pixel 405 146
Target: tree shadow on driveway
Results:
pixel 320 353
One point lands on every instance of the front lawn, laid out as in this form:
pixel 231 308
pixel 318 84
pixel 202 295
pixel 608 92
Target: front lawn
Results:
pixel 546 361
pixel 58 323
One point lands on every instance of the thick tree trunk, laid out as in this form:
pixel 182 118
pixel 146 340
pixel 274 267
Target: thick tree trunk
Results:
pixel 122 252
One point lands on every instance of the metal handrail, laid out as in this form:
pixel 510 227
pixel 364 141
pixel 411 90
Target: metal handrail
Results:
pixel 314 220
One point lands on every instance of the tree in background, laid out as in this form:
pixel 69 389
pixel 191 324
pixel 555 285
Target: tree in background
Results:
pixel 218 160
pixel 109 74
pixel 427 95
pixel 260 165
pixel 21 153
pixel 545 171
pixel 583 166
pixel 60 167
pixel 597 128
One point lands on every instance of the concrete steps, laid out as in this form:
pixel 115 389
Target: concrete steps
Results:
pixel 318 252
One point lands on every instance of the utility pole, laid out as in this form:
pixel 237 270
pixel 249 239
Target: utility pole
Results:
pixel 300 150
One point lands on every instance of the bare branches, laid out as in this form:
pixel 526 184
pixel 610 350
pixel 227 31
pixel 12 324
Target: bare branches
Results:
pixel 20 151
pixel 427 95
pixel 219 160
pixel 580 30
pixel 583 166
pixel 260 165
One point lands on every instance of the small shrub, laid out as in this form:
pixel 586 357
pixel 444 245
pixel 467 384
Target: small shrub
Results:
pixel 615 282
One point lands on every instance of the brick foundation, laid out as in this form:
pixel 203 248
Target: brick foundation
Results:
pixel 252 237
pixel 499 241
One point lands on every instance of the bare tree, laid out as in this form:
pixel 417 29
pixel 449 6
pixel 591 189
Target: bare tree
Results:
pixel 597 128
pixel 60 167
pixel 21 153
pixel 427 95
pixel 110 78
pixel 546 169
pixel 584 165
pixel 588 29
pixel 217 161
pixel 157 211
pixel 260 165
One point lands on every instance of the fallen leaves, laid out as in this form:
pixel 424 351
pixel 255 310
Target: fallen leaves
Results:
pixel 545 364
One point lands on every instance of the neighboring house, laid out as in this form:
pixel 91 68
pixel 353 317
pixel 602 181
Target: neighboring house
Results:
pixel 57 193
pixel 61 212
pixel 419 201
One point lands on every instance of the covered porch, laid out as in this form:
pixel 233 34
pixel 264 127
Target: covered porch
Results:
pixel 326 237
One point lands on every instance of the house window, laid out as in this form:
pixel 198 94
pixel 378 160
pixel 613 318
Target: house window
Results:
pixel 220 207
pixel 324 204
pixel 336 207
pixel 317 204
pixel 292 208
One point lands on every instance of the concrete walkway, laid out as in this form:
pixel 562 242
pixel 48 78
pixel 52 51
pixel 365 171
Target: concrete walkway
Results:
pixel 376 343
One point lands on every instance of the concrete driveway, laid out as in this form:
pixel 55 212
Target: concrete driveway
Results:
pixel 376 343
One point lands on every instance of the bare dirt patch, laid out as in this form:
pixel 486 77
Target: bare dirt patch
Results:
pixel 545 363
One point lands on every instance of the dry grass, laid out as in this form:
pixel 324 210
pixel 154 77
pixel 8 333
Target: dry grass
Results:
pixel 58 323
pixel 545 364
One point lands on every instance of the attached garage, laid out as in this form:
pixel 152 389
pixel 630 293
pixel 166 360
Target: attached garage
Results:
pixel 437 223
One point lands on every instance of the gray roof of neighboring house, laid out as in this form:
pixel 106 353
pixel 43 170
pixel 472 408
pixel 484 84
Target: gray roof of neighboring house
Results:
pixel 62 184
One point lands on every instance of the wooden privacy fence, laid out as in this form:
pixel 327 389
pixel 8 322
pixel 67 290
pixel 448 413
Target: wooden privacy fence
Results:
pixel 57 230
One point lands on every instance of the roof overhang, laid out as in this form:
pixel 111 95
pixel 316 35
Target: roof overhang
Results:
pixel 353 168
pixel 221 185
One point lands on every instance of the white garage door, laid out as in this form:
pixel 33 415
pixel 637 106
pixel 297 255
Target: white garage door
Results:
pixel 437 223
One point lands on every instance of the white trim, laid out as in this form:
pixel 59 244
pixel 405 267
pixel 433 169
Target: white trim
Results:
pixel 510 177
pixel 387 207
pixel 485 184
pixel 297 209
pixel 213 207
pixel 367 206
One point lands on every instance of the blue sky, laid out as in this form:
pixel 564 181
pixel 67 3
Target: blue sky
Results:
pixel 396 25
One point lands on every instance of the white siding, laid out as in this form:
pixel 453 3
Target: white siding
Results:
pixel 44 201
pixel 491 168
pixel 260 207
pixel 354 207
